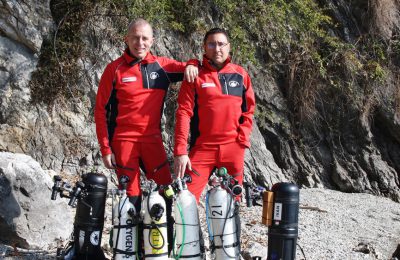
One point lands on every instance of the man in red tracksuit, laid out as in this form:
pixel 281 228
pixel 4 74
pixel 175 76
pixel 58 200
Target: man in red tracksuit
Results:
pixel 129 106
pixel 218 108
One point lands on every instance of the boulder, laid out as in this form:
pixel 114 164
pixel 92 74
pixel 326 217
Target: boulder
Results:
pixel 28 217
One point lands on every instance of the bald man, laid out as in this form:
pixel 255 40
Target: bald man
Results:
pixel 129 106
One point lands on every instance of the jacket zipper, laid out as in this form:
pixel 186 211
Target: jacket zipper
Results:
pixel 147 77
pixel 226 86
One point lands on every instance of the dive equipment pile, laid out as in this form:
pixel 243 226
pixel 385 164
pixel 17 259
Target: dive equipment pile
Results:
pixel 141 232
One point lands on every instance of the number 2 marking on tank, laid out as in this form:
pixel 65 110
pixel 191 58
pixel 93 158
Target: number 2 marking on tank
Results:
pixel 215 212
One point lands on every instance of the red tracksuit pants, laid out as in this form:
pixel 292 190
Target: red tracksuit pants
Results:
pixel 128 156
pixel 205 157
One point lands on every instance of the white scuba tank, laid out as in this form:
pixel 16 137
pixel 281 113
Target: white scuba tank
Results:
pixel 221 217
pixel 125 230
pixel 187 228
pixel 155 227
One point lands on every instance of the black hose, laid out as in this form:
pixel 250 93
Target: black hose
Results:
pixel 152 227
pixel 159 231
pixel 302 251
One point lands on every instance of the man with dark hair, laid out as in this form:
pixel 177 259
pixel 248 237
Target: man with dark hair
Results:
pixel 128 110
pixel 218 108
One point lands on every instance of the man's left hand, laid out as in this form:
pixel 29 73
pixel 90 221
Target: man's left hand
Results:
pixel 191 73
pixel 180 164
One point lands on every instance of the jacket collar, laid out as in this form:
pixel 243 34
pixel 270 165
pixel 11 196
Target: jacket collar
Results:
pixel 133 60
pixel 207 63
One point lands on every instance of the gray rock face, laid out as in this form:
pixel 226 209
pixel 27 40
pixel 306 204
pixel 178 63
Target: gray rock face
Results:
pixel 259 162
pixel 17 64
pixel 26 22
pixel 23 26
pixel 28 218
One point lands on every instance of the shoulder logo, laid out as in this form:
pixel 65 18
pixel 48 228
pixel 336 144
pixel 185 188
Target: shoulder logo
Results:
pixel 233 84
pixel 129 79
pixel 154 75
pixel 208 85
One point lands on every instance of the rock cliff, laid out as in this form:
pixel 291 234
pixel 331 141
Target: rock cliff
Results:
pixel 317 134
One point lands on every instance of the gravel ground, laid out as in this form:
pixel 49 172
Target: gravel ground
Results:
pixel 348 226
pixel 332 225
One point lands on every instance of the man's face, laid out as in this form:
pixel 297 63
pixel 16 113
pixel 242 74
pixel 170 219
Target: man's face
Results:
pixel 139 40
pixel 217 48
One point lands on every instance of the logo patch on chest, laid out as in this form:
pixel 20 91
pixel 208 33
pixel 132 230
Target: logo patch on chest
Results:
pixel 233 84
pixel 129 79
pixel 208 85
pixel 154 75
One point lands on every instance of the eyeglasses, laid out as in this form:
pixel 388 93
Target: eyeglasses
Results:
pixel 213 45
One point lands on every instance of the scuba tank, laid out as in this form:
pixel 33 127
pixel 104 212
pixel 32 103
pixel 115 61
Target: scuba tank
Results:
pixel 283 227
pixel 125 225
pixel 187 243
pixel 222 215
pixel 89 197
pixel 154 223
pixel 281 214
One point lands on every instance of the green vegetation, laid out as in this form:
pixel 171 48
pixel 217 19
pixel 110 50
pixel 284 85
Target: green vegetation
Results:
pixel 177 15
pixel 251 24
pixel 294 39
pixel 58 73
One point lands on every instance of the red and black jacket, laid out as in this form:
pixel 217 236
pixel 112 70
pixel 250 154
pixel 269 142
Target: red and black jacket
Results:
pixel 218 107
pixel 130 98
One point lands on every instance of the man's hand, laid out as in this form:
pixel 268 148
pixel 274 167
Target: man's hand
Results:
pixel 191 73
pixel 109 161
pixel 180 164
